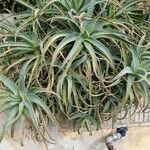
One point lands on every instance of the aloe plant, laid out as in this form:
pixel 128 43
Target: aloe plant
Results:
pixel 23 104
pixel 23 47
pixel 89 59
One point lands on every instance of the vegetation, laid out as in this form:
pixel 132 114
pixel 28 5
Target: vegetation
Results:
pixel 87 59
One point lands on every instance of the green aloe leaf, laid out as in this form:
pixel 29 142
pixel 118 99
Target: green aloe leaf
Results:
pixel 125 7
pixel 14 119
pixel 25 4
pixel 103 49
pixel 126 70
pixel 35 99
pixel 74 52
pixel 68 39
pixel 9 84
pixel 22 77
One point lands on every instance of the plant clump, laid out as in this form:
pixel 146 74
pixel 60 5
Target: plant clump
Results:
pixel 86 59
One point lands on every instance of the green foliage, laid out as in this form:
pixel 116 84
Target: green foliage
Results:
pixel 22 104
pixel 89 59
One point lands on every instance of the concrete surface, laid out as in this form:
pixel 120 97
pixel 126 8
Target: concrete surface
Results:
pixel 137 138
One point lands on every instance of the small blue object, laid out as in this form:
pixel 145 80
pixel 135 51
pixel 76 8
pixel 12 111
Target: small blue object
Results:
pixel 122 131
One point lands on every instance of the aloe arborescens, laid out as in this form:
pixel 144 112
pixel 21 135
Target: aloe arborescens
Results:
pixel 91 59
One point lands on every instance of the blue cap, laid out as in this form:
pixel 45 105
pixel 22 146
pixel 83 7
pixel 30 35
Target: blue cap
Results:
pixel 122 130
